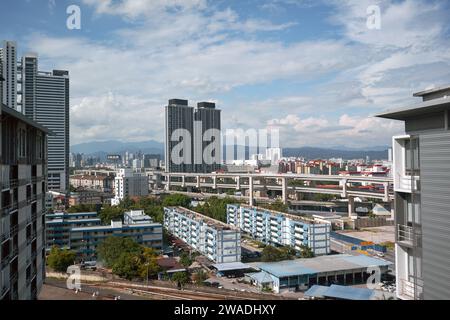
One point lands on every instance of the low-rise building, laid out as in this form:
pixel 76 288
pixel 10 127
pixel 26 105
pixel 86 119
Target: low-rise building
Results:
pixel 59 224
pixel 301 274
pixel 136 225
pixel 100 183
pixel 280 229
pixel 216 240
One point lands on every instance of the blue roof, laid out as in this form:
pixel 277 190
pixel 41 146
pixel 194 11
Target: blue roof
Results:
pixel 340 292
pixel 260 277
pixel 320 264
pixel 285 268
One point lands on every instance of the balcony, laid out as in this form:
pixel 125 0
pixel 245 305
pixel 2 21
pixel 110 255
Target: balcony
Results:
pixel 407 235
pixel 408 290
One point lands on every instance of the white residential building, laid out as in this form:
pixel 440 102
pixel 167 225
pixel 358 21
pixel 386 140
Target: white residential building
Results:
pixel 277 228
pixel 216 240
pixel 128 183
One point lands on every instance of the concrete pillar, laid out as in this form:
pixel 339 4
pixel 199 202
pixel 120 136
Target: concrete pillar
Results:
pixel 386 191
pixel 250 191
pixel 392 209
pixel 214 182
pixel 344 188
pixel 284 190
pixel 238 183
pixel 351 206
pixel 198 181
pixel 182 182
pixel 168 182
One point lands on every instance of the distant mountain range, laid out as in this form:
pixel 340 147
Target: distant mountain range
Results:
pixel 103 148
pixel 114 146
pixel 310 153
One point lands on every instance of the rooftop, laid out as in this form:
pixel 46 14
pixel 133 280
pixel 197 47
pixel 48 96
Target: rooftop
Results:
pixel 340 292
pixel 431 91
pixel 23 118
pixel 429 106
pixel 279 213
pixel 216 224
pixel 329 263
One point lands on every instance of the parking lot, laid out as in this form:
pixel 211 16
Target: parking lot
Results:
pixel 374 234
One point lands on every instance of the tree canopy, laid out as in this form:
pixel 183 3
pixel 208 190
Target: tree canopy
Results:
pixel 110 250
pixel 60 259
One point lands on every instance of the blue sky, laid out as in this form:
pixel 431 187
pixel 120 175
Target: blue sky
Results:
pixel 312 69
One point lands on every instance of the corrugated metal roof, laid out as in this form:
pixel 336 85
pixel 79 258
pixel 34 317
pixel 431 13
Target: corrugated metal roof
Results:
pixel 329 263
pixel 231 266
pixel 340 292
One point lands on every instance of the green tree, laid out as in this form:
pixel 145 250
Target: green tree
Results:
pixel 176 199
pixel 109 213
pixel 306 252
pixel 180 277
pixel 148 263
pixel 185 259
pixel 271 254
pixel 126 265
pixel 60 259
pixel 82 208
pixel 111 249
pixel 200 277
pixel 278 205
pixel 216 208
pixel 126 203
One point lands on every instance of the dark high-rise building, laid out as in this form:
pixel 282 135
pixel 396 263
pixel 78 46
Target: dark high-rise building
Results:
pixel 201 151
pixel 207 117
pixel 22 205
pixel 178 115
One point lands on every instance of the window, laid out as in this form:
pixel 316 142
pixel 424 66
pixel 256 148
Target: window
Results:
pixel 22 143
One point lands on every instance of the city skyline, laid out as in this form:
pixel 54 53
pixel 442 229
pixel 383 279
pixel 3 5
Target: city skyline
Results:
pixel 311 69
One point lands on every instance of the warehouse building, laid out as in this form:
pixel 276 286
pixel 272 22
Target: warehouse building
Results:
pixel 216 240
pixel 301 274
pixel 280 229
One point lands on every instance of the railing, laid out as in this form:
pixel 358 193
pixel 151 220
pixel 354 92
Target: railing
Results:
pixel 407 289
pixel 405 234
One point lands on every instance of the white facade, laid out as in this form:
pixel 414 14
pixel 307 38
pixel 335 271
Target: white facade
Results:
pixel 281 229
pixel 274 155
pixel 219 242
pixel 129 184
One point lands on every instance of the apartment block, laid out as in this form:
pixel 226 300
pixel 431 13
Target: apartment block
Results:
pixel 192 142
pixel 59 224
pixel 421 172
pixel 128 183
pixel 216 240
pixel 92 182
pixel 136 225
pixel 23 160
pixel 280 229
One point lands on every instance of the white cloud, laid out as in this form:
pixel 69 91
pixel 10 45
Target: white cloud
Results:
pixel 191 49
